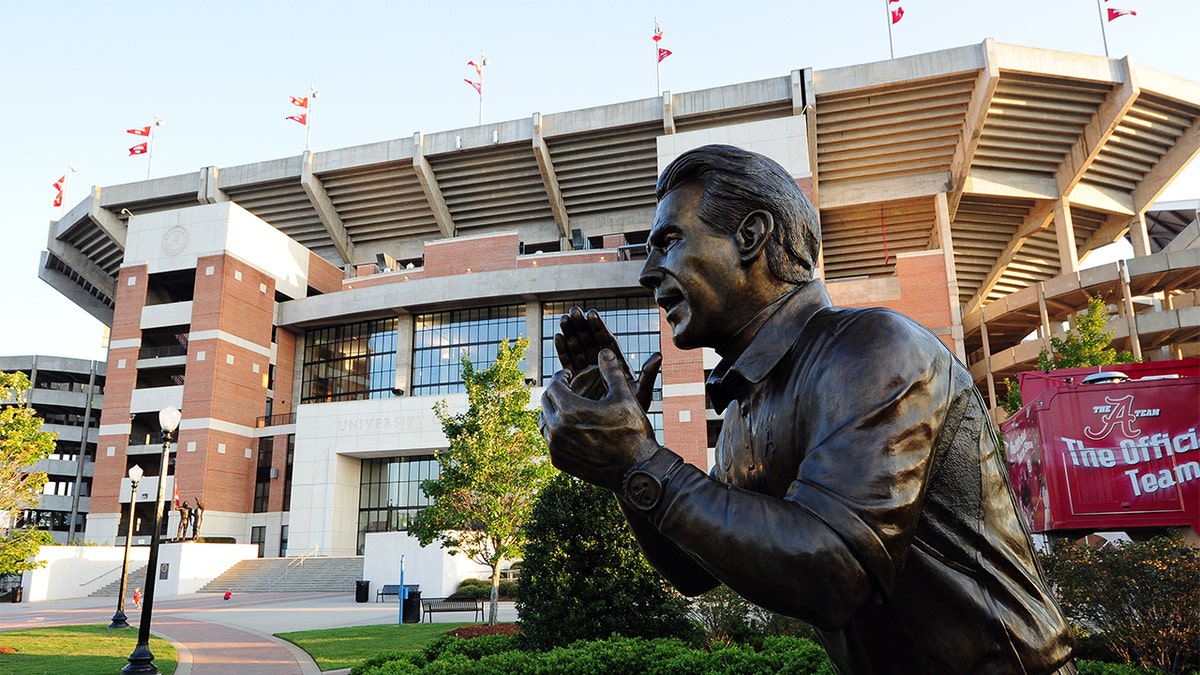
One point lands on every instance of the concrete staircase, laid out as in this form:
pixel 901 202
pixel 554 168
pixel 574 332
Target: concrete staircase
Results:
pixel 137 577
pixel 260 575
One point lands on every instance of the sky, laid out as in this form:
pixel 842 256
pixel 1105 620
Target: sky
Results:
pixel 75 74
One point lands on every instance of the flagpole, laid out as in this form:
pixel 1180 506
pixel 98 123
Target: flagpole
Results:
pixel 71 168
pixel 1103 31
pixel 312 96
pixel 150 145
pixel 482 63
pixel 657 63
pixel 887 10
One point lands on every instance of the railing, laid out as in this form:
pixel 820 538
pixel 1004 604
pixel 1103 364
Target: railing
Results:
pixel 162 352
pixel 101 576
pixel 298 561
pixel 276 420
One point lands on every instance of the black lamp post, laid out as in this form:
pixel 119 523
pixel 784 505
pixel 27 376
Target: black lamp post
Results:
pixel 119 619
pixel 142 660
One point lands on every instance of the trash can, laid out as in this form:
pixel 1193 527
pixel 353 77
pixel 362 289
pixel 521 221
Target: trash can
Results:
pixel 362 588
pixel 412 604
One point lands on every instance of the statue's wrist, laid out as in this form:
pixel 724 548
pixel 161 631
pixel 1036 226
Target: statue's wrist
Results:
pixel 645 483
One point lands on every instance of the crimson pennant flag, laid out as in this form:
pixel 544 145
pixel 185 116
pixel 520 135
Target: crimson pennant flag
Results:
pixel 897 14
pixel 139 149
pixel 176 500
pixel 59 185
pixel 139 131
pixel 301 101
pixel 663 53
pixel 1117 13
pixel 478 86
pixel 301 118
pixel 478 68
pixel 658 32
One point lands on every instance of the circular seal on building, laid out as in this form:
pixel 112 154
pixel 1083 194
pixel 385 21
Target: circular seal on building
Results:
pixel 174 240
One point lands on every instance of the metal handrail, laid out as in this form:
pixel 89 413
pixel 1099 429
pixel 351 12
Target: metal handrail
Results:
pixel 276 420
pixel 162 352
pixel 298 561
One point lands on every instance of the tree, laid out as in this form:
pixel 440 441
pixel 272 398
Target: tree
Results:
pixel 22 444
pixel 492 471
pixel 584 577
pixel 1140 599
pixel 1088 344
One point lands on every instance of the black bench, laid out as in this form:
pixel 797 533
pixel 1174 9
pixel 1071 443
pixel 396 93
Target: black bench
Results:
pixel 431 605
pixel 392 589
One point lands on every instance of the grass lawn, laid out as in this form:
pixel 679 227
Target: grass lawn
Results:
pixel 79 650
pixel 346 647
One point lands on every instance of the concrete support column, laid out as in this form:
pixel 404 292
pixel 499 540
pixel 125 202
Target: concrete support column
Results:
pixel 533 330
pixel 1135 343
pixel 404 354
pixel 1064 230
pixel 1139 235
pixel 945 241
pixel 987 367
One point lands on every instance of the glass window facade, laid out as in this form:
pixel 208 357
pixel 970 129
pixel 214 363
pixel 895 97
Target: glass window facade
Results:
pixel 440 338
pixel 262 476
pixel 634 323
pixel 350 363
pixel 390 493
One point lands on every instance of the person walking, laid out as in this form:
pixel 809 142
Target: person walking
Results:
pixel 137 597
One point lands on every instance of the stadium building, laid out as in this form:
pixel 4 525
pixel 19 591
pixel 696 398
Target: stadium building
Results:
pixel 306 313
pixel 67 394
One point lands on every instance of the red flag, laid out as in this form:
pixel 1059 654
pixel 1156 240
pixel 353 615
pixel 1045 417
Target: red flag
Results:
pixel 663 53
pixel 1117 13
pixel 301 118
pixel 140 131
pixel 897 14
pixel 301 101
pixel 139 149
pixel 59 185
pixel 478 68
pixel 658 31
pixel 478 86
pixel 176 499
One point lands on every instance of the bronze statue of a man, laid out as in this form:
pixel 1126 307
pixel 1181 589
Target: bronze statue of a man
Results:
pixel 858 482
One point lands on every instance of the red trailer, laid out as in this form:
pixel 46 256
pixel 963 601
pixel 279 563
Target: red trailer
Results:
pixel 1096 450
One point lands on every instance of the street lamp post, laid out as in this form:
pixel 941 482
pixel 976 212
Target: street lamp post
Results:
pixel 119 619
pixel 142 660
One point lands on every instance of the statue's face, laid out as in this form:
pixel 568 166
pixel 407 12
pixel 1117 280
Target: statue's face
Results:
pixel 694 272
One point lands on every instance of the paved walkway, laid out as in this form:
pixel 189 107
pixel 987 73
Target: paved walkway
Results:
pixel 212 634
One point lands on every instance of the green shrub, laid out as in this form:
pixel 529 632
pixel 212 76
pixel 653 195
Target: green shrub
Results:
pixel 1140 599
pixel 583 576
pixel 1102 668
pixel 725 617
pixel 482 589
pixel 372 665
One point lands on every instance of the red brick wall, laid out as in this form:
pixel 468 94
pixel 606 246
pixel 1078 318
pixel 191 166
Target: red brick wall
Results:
pixel 924 293
pixel 323 275
pixel 473 254
pixel 118 387
pixel 222 391
pixel 688 439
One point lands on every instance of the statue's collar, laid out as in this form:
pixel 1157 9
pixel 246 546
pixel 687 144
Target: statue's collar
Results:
pixel 773 340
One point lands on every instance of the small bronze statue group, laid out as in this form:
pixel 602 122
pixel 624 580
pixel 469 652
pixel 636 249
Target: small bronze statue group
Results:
pixel 189 519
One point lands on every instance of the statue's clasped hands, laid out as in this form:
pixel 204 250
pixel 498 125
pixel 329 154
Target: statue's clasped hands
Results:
pixel 593 410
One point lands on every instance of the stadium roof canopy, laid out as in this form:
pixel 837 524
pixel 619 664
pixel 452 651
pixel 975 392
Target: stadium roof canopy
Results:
pixel 1001 142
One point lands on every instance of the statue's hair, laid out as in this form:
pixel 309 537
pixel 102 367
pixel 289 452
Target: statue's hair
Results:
pixel 737 182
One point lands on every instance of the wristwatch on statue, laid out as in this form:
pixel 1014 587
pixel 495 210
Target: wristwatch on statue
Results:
pixel 644 484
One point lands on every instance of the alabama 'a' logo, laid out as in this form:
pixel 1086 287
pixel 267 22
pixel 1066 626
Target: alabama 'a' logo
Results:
pixel 1120 415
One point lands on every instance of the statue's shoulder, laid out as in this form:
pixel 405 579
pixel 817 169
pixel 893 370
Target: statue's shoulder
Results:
pixel 863 329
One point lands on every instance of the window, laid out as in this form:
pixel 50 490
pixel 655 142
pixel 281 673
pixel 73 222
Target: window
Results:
pixel 287 473
pixel 634 323
pixel 262 476
pixel 258 535
pixel 441 338
pixel 350 363
pixel 390 493
pixel 283 536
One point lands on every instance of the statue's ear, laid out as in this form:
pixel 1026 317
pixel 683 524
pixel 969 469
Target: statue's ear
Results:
pixel 753 234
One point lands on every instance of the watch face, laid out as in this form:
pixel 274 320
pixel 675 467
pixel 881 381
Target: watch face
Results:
pixel 643 490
